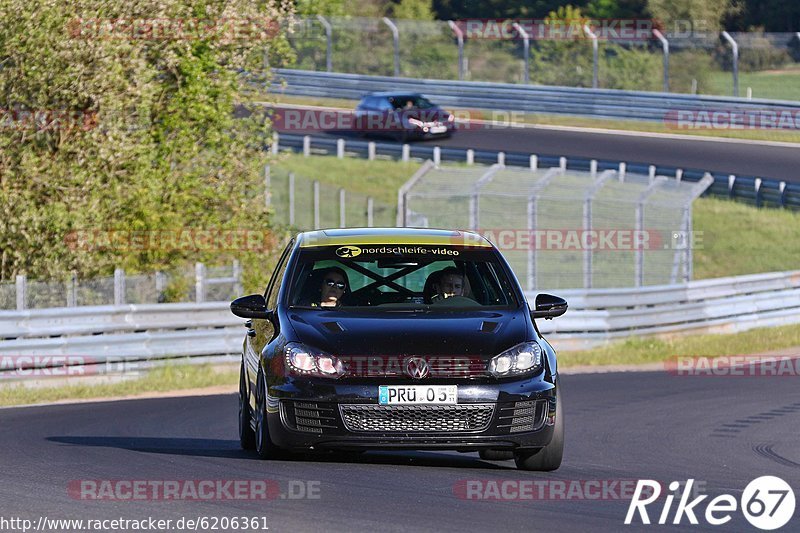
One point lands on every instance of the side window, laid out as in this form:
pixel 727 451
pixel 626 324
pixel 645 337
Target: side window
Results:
pixel 385 105
pixel 277 277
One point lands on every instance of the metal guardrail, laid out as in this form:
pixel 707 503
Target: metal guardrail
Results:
pixel 748 189
pixel 598 103
pixel 596 316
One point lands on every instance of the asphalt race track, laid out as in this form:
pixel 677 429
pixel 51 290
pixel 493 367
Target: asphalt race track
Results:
pixel 721 431
pixel 780 162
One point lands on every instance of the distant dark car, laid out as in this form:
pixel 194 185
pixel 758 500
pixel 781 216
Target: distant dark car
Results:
pixel 403 116
pixel 399 338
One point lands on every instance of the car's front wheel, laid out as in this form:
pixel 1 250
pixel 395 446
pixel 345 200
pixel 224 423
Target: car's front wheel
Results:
pixel 548 458
pixel 247 437
pixel 265 448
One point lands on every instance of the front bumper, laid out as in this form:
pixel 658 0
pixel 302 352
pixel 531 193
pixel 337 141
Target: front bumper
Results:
pixel 317 414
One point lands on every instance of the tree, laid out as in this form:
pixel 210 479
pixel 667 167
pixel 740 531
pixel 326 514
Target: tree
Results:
pixel 704 15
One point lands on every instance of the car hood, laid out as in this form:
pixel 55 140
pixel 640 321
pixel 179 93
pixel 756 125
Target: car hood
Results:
pixel 477 333
pixel 426 115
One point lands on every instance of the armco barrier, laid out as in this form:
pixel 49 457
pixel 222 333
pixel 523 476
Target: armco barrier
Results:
pixel 599 103
pixel 596 316
pixel 748 189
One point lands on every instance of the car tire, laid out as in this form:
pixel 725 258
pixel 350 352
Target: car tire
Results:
pixel 548 458
pixel 247 437
pixel 265 448
pixel 496 455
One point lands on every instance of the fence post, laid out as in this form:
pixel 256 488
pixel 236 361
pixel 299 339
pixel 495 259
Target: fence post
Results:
pixel 306 145
pixel 275 142
pixel 342 206
pixel 534 162
pixel 119 286
pixel 665 47
pixel 267 187
pixel 595 55
pixel 396 39
pixel 735 52
pixel 199 283
pixel 679 175
pixel 340 148
pixel 622 169
pixel 460 38
pixel 651 173
pixel 370 211
pixel 406 153
pixel 291 198
pixel 470 156
pixel 21 292
pixel 237 276
pixel 526 43
pixel 593 167
pixel 161 284
pixel 329 39
pixel 371 151
pixel 315 188
pixel 437 155
pixel 501 158
pixel 562 163
pixel 72 290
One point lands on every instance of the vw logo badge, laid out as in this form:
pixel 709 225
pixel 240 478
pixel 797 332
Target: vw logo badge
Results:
pixel 417 367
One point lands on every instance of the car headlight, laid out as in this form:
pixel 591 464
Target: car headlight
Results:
pixel 306 361
pixel 523 358
pixel 415 122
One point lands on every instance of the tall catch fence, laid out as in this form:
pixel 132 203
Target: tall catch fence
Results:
pixel 564 229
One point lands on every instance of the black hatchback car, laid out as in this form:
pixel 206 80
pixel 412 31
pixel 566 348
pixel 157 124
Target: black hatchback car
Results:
pixel 399 339
pixel 403 116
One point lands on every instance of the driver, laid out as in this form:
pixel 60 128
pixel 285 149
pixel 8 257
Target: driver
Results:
pixel 448 283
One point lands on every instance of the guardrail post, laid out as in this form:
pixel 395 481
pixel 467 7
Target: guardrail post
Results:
pixel 735 52
pixel 21 286
pixel 72 290
pixel 275 143
pixel 161 285
pixel 342 207
pixel 396 39
pixel 731 183
pixel 329 45
pixel 534 162
pixel 315 189
pixel 782 189
pixel 679 175
pixel 236 270
pixel 370 211
pixel 593 167
pixel 267 187
pixel 622 169
pixel 758 192
pixel 306 145
pixel 199 283
pixel 595 55
pixel 437 155
pixel 460 38
pixel 562 163
pixel 501 158
pixel 340 148
pixel 526 42
pixel 665 47
pixel 291 198
pixel 406 157
pixel 119 286
pixel 470 156
pixel 371 151
pixel 651 173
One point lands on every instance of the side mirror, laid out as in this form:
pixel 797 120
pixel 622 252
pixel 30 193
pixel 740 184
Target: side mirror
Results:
pixel 549 307
pixel 253 306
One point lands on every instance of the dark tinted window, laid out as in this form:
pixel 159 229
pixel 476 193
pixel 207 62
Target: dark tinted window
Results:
pixel 412 101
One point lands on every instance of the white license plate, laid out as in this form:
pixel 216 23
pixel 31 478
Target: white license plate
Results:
pixel 417 394
pixel 438 129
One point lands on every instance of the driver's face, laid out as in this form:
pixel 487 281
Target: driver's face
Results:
pixel 332 290
pixel 451 285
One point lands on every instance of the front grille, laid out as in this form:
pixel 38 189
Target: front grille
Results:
pixel 416 418
pixel 309 417
pixel 441 367
pixel 523 416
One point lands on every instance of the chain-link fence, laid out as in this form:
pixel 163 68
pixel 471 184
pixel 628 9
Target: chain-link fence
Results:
pixel 197 284
pixel 305 203
pixel 678 59
pixel 562 229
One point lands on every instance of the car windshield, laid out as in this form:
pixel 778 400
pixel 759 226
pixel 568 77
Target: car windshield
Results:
pixel 411 101
pixel 400 277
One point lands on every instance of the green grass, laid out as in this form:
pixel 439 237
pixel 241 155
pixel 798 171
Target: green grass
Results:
pixel 624 125
pixel 771 84
pixel 165 378
pixel 637 350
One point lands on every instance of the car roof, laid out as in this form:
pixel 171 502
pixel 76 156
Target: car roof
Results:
pixel 408 236
pixel 386 94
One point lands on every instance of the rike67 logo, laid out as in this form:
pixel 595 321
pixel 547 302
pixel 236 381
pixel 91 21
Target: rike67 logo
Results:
pixel 767 502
